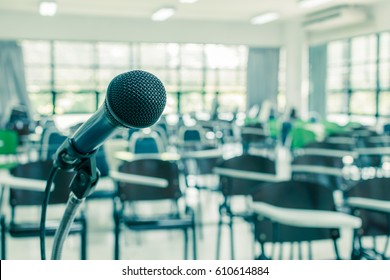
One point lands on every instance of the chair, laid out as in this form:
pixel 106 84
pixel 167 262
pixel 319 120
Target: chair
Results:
pixel 191 137
pixel 156 180
pixel 240 176
pixel 19 198
pixel 319 168
pixel 8 149
pixel 257 138
pixel 51 140
pixel 386 129
pixel 295 212
pixel 146 143
pixel 373 151
pixel 370 200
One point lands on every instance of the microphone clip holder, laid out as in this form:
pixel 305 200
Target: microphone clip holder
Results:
pixel 87 174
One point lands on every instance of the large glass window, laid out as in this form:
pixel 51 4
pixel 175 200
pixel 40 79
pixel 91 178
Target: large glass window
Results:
pixel 359 76
pixel 72 77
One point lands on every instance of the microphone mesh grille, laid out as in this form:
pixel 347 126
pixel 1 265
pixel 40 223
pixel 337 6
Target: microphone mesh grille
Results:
pixel 135 99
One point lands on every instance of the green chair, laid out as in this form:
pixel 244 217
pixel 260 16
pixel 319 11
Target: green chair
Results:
pixel 8 149
pixel 332 128
pixel 300 136
pixel 274 128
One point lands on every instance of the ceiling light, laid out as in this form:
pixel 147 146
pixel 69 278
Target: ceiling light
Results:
pixel 306 4
pixel 47 8
pixel 264 18
pixel 188 1
pixel 163 14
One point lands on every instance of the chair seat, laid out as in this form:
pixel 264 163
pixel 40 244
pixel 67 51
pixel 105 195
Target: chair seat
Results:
pixel 306 217
pixel 163 224
pixel 33 229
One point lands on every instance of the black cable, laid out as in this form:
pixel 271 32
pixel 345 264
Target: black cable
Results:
pixel 45 202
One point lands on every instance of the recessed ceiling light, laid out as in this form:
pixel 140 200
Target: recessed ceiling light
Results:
pixel 48 8
pixel 163 14
pixel 188 1
pixel 265 18
pixel 306 4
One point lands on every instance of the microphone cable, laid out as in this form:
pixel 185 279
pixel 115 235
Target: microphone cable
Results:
pixel 45 202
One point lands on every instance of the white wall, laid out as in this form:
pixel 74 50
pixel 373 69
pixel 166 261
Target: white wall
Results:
pixel 379 21
pixel 28 26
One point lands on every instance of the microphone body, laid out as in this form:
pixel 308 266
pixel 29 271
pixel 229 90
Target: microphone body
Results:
pixel 92 134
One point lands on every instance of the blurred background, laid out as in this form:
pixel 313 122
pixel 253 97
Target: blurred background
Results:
pixel 274 143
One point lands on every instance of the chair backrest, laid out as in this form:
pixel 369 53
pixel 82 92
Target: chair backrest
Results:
pixel 372 150
pixel 341 149
pixel 386 128
pixel 8 142
pixel 300 137
pixel 19 121
pixel 40 170
pixel 231 184
pixel 253 134
pixel 151 169
pixel 296 195
pixel 50 142
pixel 374 223
pixel 190 137
pixel 319 169
pixel 145 143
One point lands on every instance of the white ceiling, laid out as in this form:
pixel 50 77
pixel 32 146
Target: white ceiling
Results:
pixel 205 10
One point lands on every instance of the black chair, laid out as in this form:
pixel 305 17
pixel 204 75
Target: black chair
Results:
pixel 370 200
pixel 296 212
pixel 156 180
pixel 373 151
pixel 257 138
pixel 240 176
pixel 190 138
pixel 19 198
pixel 321 169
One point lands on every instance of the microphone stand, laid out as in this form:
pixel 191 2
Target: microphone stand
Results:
pixel 84 182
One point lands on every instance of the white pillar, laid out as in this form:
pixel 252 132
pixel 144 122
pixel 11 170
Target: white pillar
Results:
pixel 296 67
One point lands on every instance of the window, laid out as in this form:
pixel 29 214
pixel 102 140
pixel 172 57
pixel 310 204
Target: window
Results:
pixel 358 80
pixel 72 77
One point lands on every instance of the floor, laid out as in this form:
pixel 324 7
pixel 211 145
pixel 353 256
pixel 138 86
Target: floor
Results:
pixel 167 245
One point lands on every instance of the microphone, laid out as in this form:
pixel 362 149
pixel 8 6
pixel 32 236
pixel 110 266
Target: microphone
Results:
pixel 135 99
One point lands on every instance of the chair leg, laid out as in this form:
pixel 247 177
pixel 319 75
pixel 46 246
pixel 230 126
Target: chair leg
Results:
pixel 200 214
pixel 194 248
pixel 117 239
pixel 3 240
pixel 219 236
pixel 336 249
pixel 262 255
pixel 300 257
pixel 84 240
pixel 291 250
pixel 280 250
pixel 356 253
pixel 231 238
pixel 185 244
pixel 310 250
